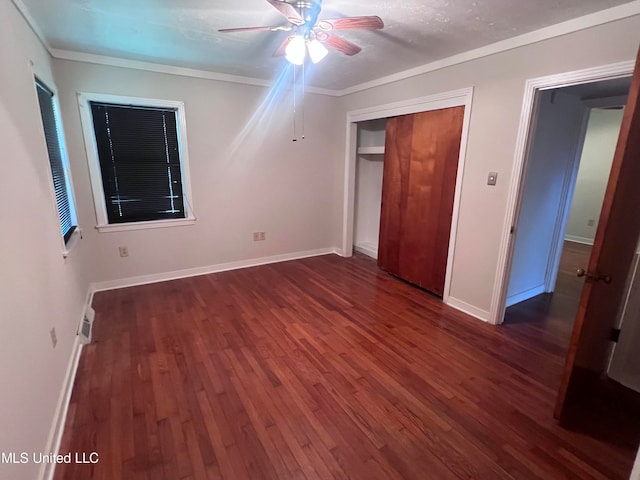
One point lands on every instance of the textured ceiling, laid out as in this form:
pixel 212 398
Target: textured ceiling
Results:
pixel 184 32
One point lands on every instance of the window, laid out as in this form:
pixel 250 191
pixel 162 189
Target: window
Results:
pixel 137 161
pixel 61 183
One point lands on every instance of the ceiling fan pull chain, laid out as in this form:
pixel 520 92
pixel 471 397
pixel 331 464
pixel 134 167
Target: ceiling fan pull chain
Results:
pixel 304 86
pixel 294 104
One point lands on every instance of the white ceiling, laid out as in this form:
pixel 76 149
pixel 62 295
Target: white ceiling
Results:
pixel 184 32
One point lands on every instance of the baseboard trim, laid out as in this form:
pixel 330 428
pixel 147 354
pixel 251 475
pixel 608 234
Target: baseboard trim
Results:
pixel 369 249
pixel 468 309
pixel 526 295
pixel 583 240
pixel 47 470
pixel 221 267
pixel 338 251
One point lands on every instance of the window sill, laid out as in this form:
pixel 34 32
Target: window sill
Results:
pixel 121 227
pixel 75 238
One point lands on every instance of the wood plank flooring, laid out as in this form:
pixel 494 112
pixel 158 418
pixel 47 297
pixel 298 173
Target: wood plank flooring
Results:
pixel 317 369
pixel 556 310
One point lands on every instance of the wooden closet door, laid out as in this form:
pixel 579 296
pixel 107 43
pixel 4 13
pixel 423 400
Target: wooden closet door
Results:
pixel 418 185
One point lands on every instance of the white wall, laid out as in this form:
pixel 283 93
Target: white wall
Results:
pixel 368 197
pixel 593 175
pixel 246 173
pixel 498 82
pixel 368 188
pixel 39 289
pixel 624 366
pixel 635 474
pixel 553 153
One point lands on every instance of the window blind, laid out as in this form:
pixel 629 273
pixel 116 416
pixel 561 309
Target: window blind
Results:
pixel 139 162
pixel 47 112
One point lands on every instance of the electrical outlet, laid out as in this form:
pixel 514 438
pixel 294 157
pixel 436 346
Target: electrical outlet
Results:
pixel 54 337
pixel 262 235
pixel 124 251
pixel 256 236
pixel 591 222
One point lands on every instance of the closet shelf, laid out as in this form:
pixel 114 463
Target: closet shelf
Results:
pixel 379 150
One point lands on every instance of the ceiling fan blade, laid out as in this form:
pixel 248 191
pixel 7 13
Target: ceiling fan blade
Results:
pixel 281 50
pixel 253 29
pixel 352 23
pixel 288 10
pixel 339 44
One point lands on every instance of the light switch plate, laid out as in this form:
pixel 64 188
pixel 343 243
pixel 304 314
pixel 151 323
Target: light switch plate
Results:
pixel 492 179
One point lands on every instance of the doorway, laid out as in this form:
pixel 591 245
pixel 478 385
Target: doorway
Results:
pixel 587 400
pixel 573 142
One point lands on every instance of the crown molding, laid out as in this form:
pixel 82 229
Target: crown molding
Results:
pixel 35 28
pixel 171 69
pixel 570 26
pixel 146 66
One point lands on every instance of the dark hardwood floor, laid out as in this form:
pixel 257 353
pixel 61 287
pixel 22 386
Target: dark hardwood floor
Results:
pixel 612 410
pixel 561 306
pixel 319 368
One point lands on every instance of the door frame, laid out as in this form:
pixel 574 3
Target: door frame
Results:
pixel 569 187
pixel 564 207
pixel 454 98
pixel 523 145
pixel 562 210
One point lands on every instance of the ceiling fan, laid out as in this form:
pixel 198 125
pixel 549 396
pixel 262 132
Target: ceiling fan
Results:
pixel 309 33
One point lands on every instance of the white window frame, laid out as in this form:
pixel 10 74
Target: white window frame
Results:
pixel 68 246
pixel 93 160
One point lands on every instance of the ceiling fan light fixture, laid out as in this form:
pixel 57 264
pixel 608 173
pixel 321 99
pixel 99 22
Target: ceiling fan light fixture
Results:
pixel 296 50
pixel 317 51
